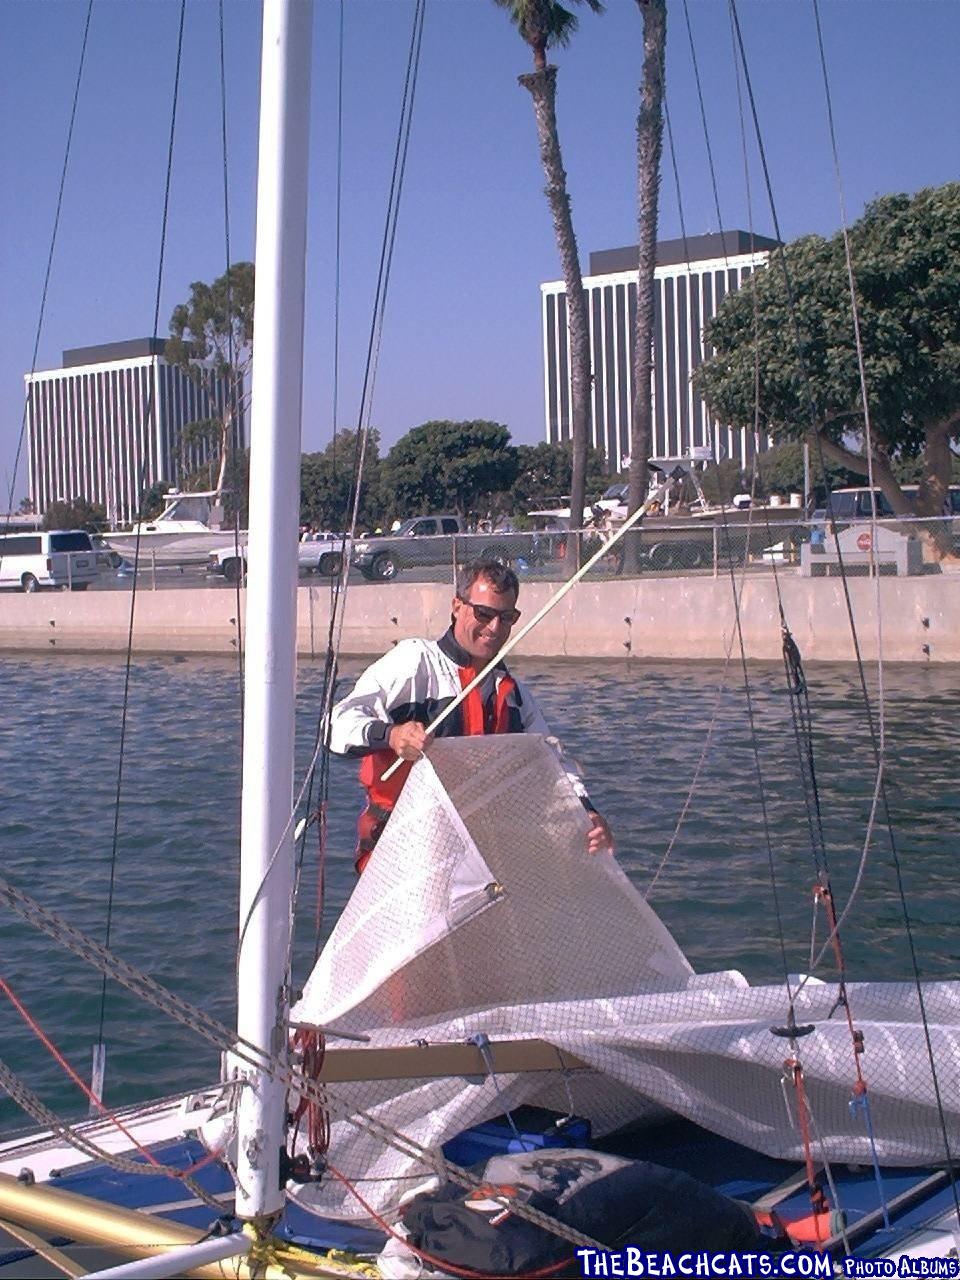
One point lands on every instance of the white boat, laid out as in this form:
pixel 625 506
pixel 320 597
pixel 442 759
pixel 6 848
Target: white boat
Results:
pixel 186 531
pixel 460 983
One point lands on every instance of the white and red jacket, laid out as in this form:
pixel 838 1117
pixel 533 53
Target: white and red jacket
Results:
pixel 415 681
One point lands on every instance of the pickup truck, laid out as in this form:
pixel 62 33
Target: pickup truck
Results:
pixel 322 555
pixel 438 540
pixel 424 540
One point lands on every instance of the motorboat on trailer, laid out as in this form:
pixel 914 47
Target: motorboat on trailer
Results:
pixel 187 530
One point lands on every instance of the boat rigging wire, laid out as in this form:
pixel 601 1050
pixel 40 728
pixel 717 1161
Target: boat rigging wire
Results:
pixel 335 630
pixel 877 742
pixel 790 653
pixel 789 649
pixel 49 267
pixel 878 739
pixel 225 1038
pixel 330 669
pixel 738 588
pixel 28 1101
pixel 234 390
pixel 796 685
pixel 151 410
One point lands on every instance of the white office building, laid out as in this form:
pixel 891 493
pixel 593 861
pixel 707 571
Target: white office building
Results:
pixel 691 280
pixel 106 426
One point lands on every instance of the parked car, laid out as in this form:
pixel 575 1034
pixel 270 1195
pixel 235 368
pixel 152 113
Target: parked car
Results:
pixel 855 504
pixel 442 539
pixel 323 556
pixel 424 540
pixel 63 558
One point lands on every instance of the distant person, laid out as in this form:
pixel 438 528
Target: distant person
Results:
pixel 393 701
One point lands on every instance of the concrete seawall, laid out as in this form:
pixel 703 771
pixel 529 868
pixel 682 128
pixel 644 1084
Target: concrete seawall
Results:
pixel 689 617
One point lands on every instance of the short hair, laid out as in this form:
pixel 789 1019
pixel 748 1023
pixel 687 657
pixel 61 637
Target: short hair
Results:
pixel 500 576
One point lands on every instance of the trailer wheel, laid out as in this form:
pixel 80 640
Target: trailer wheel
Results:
pixel 233 569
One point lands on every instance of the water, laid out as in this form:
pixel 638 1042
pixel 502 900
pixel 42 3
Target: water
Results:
pixel 638 730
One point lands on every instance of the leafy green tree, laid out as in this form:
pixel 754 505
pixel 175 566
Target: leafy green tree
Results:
pixel 78 514
pixel 212 343
pixel 462 466
pixel 543 472
pixel 544 24
pixel 326 484
pixel 198 439
pixel 906 262
pixel 235 493
pixel 781 470
pixel 152 502
pixel 910 470
pixel 26 507
pixel 721 480
pixel 649 149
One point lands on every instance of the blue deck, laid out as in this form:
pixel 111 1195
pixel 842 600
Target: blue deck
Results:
pixel 724 1165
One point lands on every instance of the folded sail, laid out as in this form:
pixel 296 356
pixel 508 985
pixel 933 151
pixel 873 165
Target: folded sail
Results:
pixel 481 913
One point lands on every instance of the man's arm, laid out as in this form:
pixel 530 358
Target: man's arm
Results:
pixel 363 722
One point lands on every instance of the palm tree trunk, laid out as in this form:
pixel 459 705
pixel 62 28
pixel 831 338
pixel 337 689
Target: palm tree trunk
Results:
pixel 649 148
pixel 542 86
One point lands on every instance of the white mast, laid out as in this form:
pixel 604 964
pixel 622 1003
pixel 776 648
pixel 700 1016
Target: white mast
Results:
pixel 266 878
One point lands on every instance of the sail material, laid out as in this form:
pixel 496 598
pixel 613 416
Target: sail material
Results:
pixel 482 914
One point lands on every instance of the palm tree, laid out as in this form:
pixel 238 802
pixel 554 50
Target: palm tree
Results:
pixel 543 24
pixel 649 148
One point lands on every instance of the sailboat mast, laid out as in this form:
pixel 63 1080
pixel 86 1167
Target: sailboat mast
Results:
pixel 266 837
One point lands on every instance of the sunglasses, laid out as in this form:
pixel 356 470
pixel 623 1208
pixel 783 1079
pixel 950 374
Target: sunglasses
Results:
pixel 485 615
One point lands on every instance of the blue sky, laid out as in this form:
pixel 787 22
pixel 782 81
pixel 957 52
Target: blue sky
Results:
pixel 462 336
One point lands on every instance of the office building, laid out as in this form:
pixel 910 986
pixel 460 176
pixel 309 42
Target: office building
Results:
pixel 106 426
pixel 691 280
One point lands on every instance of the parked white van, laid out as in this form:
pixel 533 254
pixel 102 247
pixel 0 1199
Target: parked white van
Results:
pixel 48 558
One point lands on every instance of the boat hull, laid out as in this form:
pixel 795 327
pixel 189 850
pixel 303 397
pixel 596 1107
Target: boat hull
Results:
pixel 172 548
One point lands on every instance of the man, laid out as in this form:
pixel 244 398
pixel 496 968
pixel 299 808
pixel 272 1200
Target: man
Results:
pixel 394 700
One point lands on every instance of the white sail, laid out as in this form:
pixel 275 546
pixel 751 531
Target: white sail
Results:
pixel 481 913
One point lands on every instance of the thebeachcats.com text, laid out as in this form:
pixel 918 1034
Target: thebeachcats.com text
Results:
pixel 642 1262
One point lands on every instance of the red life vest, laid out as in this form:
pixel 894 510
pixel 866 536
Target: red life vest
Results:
pixel 382 796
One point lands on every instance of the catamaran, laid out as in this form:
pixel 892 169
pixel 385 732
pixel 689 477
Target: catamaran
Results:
pixel 458 990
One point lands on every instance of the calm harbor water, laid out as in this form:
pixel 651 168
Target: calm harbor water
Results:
pixel 638 730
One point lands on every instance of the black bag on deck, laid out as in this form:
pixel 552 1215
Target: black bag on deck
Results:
pixel 616 1202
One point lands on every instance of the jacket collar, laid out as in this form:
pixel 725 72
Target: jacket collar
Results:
pixel 456 652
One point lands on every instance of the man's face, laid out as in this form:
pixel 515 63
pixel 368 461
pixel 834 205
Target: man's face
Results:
pixel 482 635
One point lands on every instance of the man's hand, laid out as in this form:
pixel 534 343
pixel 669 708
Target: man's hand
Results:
pixel 599 837
pixel 408 740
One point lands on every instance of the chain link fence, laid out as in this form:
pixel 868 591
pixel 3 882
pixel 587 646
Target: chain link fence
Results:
pixel 663 547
